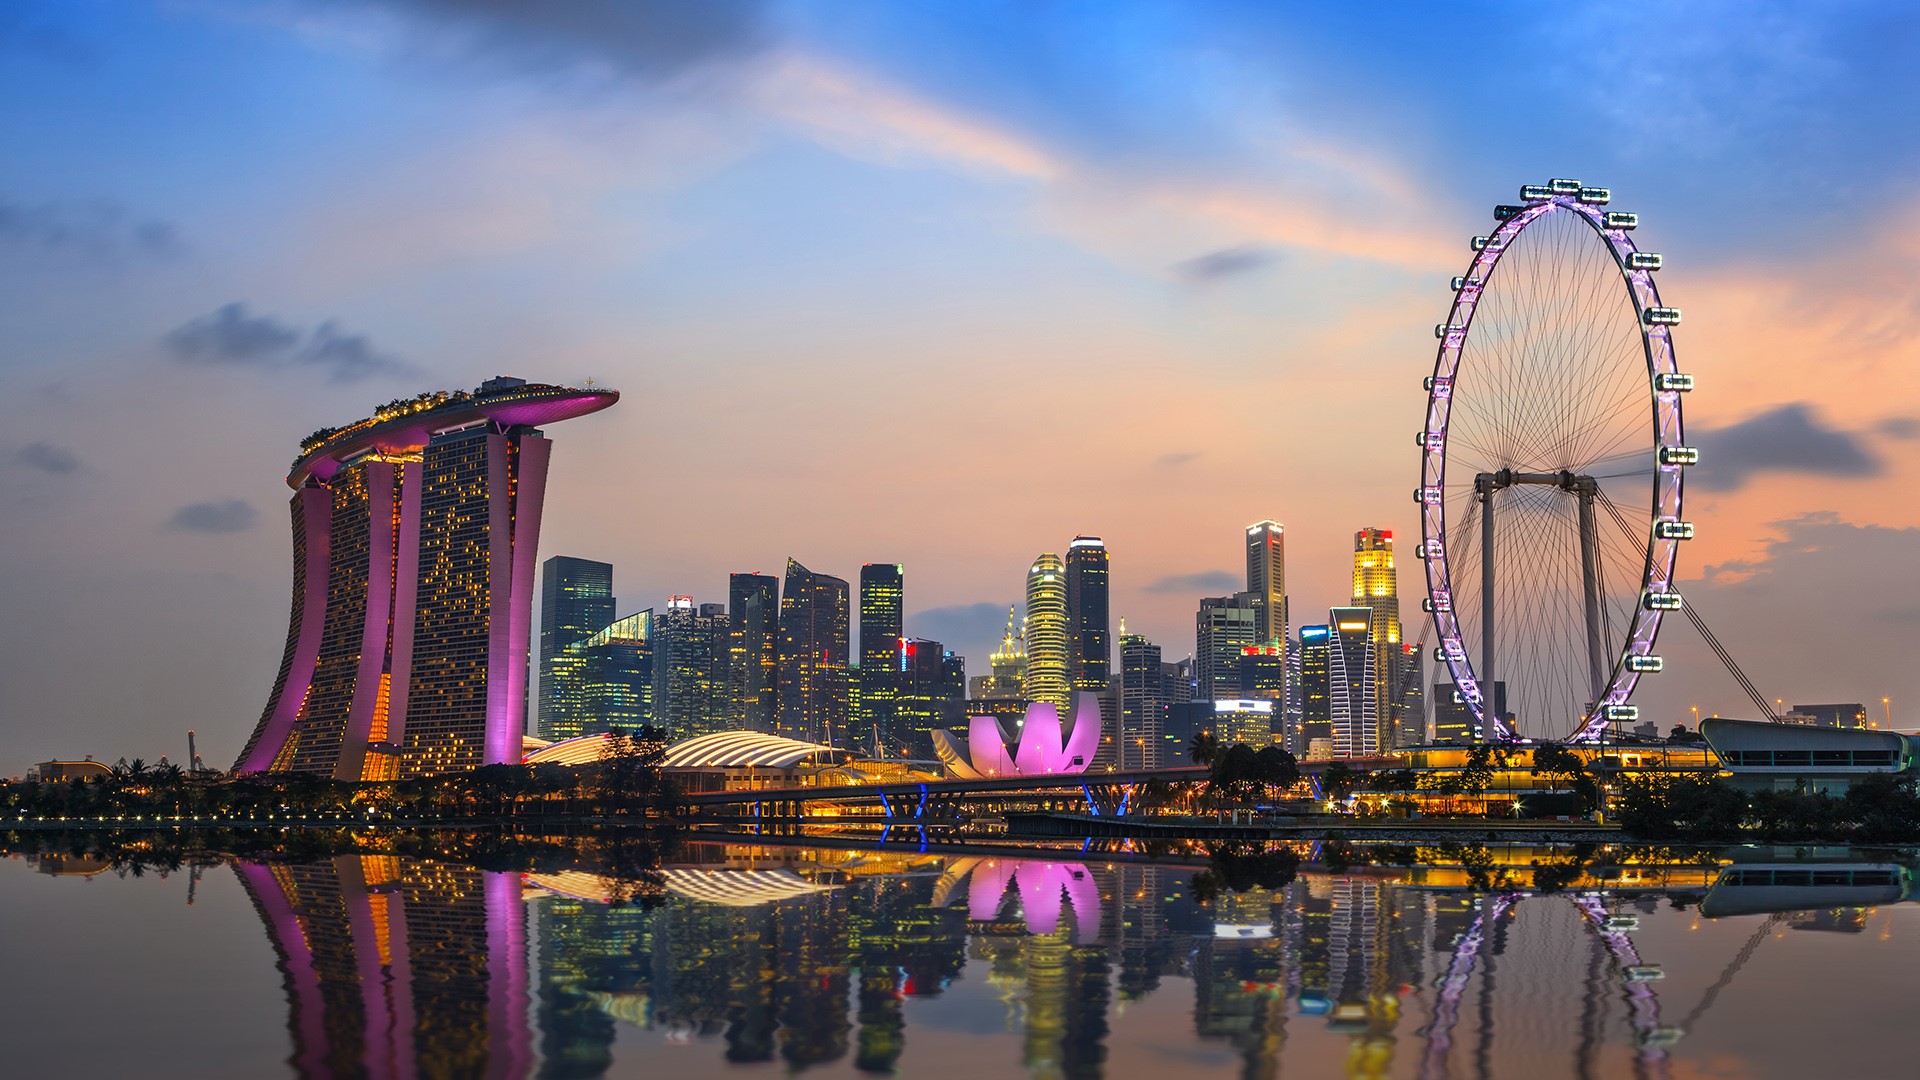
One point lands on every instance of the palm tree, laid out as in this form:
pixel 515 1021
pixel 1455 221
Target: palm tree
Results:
pixel 1203 749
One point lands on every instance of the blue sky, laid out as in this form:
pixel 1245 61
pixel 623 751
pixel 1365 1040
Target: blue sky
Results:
pixel 1025 270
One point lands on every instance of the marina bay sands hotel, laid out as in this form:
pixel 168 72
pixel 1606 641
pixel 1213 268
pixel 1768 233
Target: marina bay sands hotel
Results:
pixel 414 540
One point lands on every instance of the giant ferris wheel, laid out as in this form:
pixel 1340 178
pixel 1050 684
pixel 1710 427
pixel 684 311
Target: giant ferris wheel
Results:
pixel 1551 469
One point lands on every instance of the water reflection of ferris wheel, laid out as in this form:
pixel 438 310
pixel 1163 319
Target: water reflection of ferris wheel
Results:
pixel 1551 469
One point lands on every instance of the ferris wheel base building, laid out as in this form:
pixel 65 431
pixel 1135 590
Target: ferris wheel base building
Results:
pixel 414 539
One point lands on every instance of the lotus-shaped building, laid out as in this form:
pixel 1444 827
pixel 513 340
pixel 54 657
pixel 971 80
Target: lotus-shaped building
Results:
pixel 1041 745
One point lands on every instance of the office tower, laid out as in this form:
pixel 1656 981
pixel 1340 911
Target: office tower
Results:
pixel 813 653
pixel 576 602
pixel 1263 677
pixel 1091 660
pixel 1143 703
pixel 1352 683
pixel 1049 654
pixel 882 588
pixel 1007 665
pixel 1453 720
pixel 931 696
pixel 1089 640
pixel 1223 627
pixel 1376 587
pixel 712 685
pixel 615 676
pixel 1267 582
pixel 1314 733
pixel 691 654
pixel 675 668
pixel 414 537
pixel 1243 720
pixel 1409 715
pixel 753 649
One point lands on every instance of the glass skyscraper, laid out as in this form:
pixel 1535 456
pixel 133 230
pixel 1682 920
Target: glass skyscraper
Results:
pixel 1353 683
pixel 1090 638
pixel 1049 651
pixel 882 588
pixel 1223 627
pixel 813 657
pixel 1376 587
pixel 576 602
pixel 754 649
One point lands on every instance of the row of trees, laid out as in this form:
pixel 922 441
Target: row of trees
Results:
pixel 629 783
pixel 1878 809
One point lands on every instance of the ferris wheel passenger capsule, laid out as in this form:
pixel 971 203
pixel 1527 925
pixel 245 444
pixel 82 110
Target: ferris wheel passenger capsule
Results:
pixel 1616 219
pixel 1562 186
pixel 1674 530
pixel 1662 316
pixel 1480 242
pixel 1441 330
pixel 1459 282
pixel 1664 601
pixel 1535 192
pixel 1673 380
pixel 1645 664
pixel 1645 260
pixel 1507 212
pixel 1623 712
pixel 1679 455
pixel 1595 196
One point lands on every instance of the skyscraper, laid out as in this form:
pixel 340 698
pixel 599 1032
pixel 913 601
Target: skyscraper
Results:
pixel 882 589
pixel 415 533
pixel 1267 581
pixel 1049 654
pixel 692 649
pixel 1223 626
pixel 576 602
pixel 813 657
pixel 616 676
pixel 1376 587
pixel 1007 666
pixel 754 650
pixel 1408 702
pixel 1143 703
pixel 1089 638
pixel 1353 683
pixel 1316 707
pixel 931 695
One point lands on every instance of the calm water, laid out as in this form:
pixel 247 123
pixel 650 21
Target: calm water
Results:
pixel 764 960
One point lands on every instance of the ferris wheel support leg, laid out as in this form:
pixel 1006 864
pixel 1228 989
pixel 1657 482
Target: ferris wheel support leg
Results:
pixel 1489 729
pixel 1590 584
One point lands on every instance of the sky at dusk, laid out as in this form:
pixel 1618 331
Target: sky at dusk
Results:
pixel 936 284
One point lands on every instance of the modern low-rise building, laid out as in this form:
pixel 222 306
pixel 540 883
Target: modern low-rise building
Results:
pixel 1759 755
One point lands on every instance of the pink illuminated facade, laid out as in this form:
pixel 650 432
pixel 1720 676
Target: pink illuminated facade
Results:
pixel 415 534
pixel 1044 745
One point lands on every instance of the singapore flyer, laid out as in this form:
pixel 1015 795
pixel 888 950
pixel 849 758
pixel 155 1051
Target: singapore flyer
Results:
pixel 1552 467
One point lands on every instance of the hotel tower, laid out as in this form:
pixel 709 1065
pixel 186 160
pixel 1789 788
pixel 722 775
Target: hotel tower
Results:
pixel 414 538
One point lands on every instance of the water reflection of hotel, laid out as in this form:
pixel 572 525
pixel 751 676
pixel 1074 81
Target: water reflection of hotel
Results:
pixel 805 958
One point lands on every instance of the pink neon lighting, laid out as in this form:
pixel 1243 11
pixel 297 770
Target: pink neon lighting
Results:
pixel 504 741
pixel 1041 886
pixel 1040 749
pixel 316 513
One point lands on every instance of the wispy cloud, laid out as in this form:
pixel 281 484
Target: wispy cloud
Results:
pixel 1177 458
pixel 1790 438
pixel 48 458
pixel 1225 263
pixel 232 336
pixel 228 516
pixel 94 229
pixel 1204 583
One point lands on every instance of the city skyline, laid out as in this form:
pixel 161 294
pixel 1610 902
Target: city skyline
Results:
pixel 918 259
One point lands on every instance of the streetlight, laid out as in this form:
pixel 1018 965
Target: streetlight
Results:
pixel 1887 704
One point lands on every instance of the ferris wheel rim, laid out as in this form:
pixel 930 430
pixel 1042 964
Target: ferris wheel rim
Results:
pixel 1671 455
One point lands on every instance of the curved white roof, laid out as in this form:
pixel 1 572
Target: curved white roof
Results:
pixel 742 749
pixel 740 888
pixel 584 750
